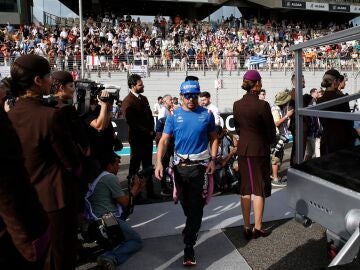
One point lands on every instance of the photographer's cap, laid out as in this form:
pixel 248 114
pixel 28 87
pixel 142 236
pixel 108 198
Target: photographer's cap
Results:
pixel 282 98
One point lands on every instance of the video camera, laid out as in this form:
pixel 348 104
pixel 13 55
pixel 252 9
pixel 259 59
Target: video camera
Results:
pixel 88 91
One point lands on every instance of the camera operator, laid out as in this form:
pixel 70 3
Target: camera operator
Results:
pixel 281 113
pixel 101 132
pixel 106 196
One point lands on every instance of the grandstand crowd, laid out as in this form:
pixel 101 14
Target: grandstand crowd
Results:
pixel 119 41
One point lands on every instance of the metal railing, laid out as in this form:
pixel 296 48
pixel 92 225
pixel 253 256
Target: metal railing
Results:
pixel 229 65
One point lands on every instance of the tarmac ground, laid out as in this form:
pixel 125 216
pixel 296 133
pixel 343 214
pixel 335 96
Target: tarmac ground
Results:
pixel 221 244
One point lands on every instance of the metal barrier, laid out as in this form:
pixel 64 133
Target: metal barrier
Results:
pixel 227 64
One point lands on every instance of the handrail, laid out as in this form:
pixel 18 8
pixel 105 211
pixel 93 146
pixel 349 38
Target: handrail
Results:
pixel 226 64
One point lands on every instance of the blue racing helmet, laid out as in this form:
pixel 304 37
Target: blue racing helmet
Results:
pixel 190 87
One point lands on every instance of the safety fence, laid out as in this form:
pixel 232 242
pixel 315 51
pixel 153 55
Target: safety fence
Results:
pixel 228 64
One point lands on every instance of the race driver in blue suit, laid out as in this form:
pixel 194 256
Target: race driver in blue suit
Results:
pixel 196 146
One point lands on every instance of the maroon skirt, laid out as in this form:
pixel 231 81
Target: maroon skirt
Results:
pixel 255 176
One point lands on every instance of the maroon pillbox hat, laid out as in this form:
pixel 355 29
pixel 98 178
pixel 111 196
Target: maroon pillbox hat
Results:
pixel 252 75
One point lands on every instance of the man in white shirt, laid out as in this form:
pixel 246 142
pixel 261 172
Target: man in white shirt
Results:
pixel 206 103
pixel 167 107
pixel 158 105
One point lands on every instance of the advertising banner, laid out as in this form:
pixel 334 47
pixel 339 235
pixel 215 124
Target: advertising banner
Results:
pixel 293 4
pixel 354 9
pixel 317 6
pixel 339 8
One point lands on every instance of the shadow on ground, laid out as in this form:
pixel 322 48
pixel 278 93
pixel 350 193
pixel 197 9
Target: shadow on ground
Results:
pixel 289 247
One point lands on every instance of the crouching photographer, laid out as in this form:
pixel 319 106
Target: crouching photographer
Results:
pixel 106 211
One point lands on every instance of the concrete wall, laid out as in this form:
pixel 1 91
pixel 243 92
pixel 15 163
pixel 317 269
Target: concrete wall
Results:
pixel 12 17
pixel 159 84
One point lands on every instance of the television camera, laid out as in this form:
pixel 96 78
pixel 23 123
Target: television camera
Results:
pixel 88 91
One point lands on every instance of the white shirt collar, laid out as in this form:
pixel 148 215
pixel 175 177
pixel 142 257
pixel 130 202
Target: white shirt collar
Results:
pixel 135 94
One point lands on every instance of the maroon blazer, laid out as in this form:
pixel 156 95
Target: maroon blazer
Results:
pixel 48 151
pixel 21 214
pixel 255 126
pixel 139 117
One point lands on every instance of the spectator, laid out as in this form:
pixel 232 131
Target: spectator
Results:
pixel 167 107
pixel 158 105
pixel 219 46
pixel 206 103
pixel 175 102
pixel 166 111
pixel 262 94
pixel 315 130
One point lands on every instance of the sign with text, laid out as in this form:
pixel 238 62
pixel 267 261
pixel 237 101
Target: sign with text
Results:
pixel 317 6
pixel 140 70
pixel 354 9
pixel 339 8
pixel 293 4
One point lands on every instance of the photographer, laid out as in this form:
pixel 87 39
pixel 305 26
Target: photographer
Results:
pixel 106 196
pixel 281 113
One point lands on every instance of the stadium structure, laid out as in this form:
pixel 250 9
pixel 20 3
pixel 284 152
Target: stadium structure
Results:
pixel 20 11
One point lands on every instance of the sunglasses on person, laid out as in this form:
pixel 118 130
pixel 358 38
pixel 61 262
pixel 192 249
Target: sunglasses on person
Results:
pixel 193 96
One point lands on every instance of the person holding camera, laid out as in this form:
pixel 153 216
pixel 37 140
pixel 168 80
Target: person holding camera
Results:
pixel 100 130
pixel 193 130
pixel 281 113
pixel 105 196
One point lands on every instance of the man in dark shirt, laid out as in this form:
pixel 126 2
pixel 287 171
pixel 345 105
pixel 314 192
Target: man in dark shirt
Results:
pixel 138 115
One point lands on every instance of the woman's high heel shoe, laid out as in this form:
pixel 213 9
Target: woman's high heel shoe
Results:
pixel 247 233
pixel 260 233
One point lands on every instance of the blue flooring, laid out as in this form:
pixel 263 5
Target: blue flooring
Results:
pixel 126 151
